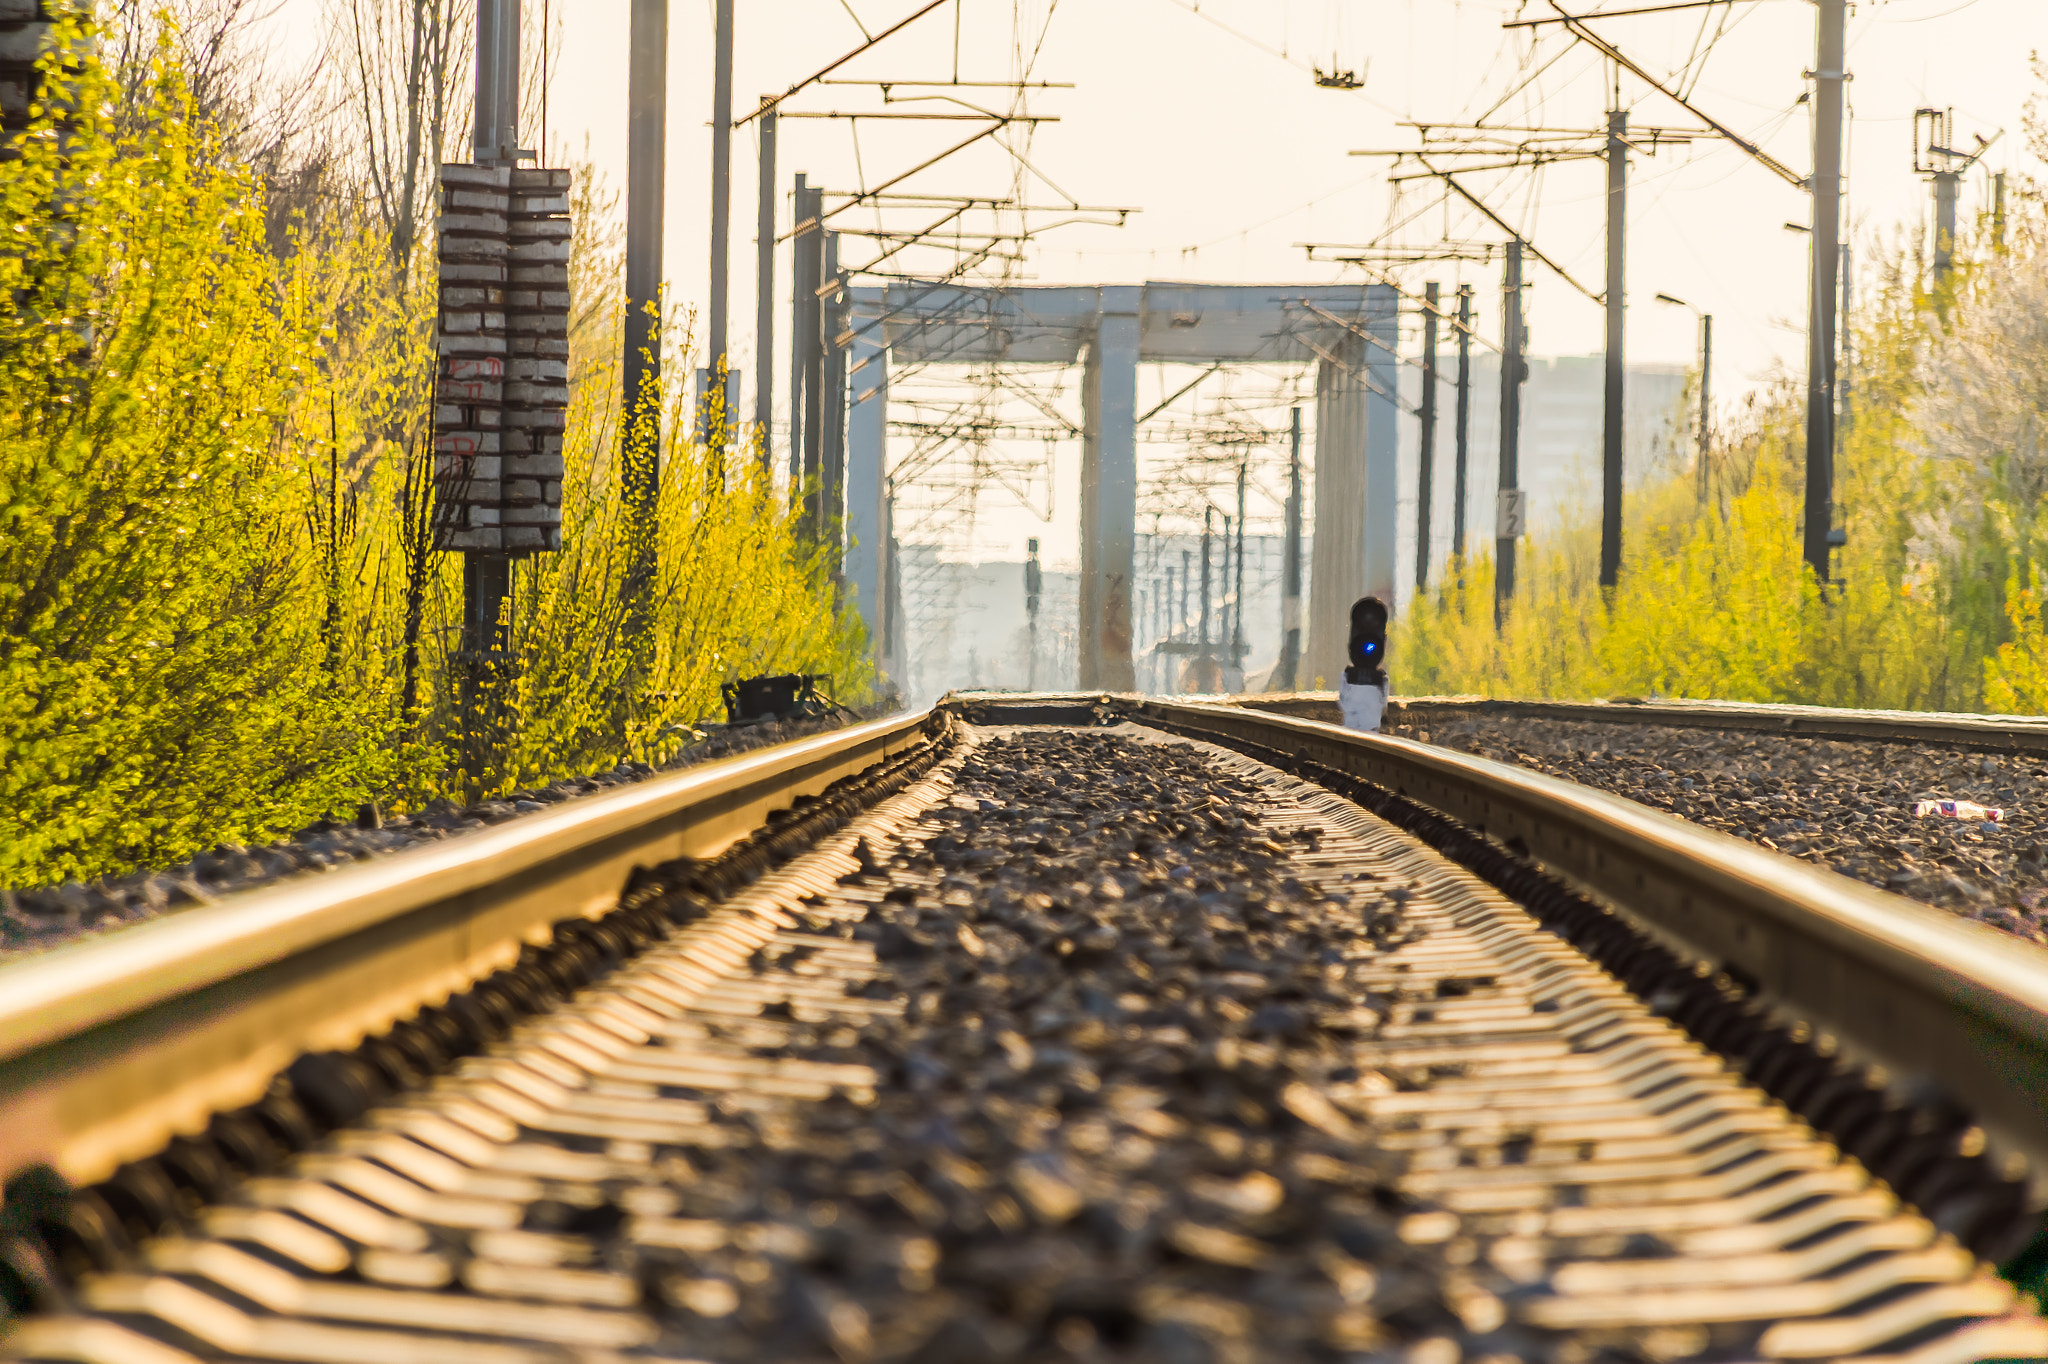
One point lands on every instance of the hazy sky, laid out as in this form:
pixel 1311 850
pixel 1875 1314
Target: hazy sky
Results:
pixel 1234 155
pixel 1206 119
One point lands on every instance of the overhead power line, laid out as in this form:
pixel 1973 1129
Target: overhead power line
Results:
pixel 1624 13
pixel 771 102
pixel 1575 24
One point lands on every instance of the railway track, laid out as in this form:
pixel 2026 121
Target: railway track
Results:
pixel 2012 734
pixel 1840 789
pixel 1033 1029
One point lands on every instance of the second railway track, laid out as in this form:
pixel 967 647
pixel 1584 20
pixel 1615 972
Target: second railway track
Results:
pixel 1062 1028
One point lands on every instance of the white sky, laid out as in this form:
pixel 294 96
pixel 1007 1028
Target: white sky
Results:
pixel 1234 156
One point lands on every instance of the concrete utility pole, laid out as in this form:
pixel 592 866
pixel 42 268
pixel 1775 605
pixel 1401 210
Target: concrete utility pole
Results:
pixel 1186 584
pixel 764 299
pixel 1464 419
pixel 1611 428
pixel 1706 393
pixel 1166 635
pixel 1946 182
pixel 1425 468
pixel 1162 631
pixel 487 577
pixel 1034 585
pixel 1290 592
pixel 1208 528
pixel 1845 374
pixel 799 200
pixel 1828 78
pixel 1223 592
pixel 1934 132
pixel 832 368
pixel 1237 611
pixel 807 396
pixel 1509 502
pixel 646 166
pixel 716 358
pixel 497 82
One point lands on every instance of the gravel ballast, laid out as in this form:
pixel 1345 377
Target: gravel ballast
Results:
pixel 1086 1045
pixel 34 919
pixel 1842 804
pixel 1086 1141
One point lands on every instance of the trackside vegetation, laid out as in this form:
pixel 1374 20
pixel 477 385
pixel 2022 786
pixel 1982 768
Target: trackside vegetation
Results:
pixel 1938 595
pixel 220 615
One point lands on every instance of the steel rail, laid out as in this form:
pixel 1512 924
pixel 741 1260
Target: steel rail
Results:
pixel 1956 1015
pixel 1947 1009
pixel 2014 734
pixel 110 1047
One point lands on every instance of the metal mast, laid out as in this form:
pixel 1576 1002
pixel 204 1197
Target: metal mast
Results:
pixel 1237 608
pixel 1463 423
pixel 1425 469
pixel 715 353
pixel 1611 431
pixel 764 299
pixel 1825 268
pixel 646 163
pixel 487 577
pixel 1508 501
pixel 1290 600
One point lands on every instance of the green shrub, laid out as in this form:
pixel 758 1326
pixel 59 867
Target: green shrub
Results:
pixel 218 618
pixel 1940 474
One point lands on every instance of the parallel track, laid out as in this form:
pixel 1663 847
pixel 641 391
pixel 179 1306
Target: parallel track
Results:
pixel 1679 1063
pixel 2009 734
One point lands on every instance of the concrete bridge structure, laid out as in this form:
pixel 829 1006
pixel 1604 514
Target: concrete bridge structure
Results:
pixel 1349 331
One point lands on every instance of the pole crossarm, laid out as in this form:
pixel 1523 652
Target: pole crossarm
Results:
pixel 888 85
pixel 1401 255
pixel 1969 158
pixel 830 67
pixel 1535 162
pixel 948 118
pixel 984 201
pixel 1537 130
pixel 980 254
pixel 1624 13
pixel 1645 141
pixel 1542 147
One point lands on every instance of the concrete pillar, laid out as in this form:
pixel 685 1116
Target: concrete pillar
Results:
pixel 1356 482
pixel 894 655
pixel 1382 443
pixel 1336 558
pixel 1109 493
pixel 867 517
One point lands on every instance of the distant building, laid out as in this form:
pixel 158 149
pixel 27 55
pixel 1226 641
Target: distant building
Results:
pixel 1563 413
